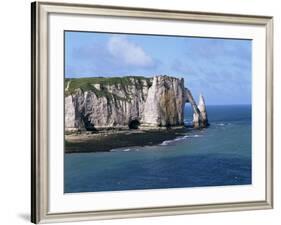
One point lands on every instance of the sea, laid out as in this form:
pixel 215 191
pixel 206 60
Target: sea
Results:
pixel 219 155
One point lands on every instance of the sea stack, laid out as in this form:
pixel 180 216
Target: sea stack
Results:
pixel 203 112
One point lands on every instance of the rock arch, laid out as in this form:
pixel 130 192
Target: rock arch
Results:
pixel 200 118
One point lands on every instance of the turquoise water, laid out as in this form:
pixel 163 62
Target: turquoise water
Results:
pixel 217 155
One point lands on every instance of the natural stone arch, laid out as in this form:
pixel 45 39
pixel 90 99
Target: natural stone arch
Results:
pixel 200 119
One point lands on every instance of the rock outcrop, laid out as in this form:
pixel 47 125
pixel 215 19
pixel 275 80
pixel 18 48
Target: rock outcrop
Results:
pixel 164 105
pixel 203 113
pixel 129 102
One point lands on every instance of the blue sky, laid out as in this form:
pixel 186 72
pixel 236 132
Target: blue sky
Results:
pixel 220 69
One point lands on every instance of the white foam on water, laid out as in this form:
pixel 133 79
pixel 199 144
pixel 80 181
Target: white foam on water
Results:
pixel 164 143
pixel 120 150
pixel 125 149
pixel 222 124
pixel 181 138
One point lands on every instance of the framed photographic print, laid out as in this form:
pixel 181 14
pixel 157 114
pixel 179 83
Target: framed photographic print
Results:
pixel 146 112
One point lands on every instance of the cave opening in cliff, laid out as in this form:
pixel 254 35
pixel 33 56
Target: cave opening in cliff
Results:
pixel 88 125
pixel 134 124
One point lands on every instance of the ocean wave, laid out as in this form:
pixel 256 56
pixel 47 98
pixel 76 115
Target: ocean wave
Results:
pixel 220 124
pixel 121 150
pixel 164 143
pixel 133 149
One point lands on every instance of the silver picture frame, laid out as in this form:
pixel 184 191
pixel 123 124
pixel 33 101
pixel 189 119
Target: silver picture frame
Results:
pixel 40 104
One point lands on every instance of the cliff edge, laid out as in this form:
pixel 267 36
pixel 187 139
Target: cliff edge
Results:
pixel 129 102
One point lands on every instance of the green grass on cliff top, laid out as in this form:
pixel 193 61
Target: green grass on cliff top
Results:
pixel 87 83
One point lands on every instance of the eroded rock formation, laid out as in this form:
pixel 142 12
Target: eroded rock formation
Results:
pixel 129 102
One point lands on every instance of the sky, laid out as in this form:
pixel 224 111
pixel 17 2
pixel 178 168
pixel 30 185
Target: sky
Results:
pixel 220 69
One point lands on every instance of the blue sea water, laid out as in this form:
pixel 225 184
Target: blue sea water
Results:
pixel 215 156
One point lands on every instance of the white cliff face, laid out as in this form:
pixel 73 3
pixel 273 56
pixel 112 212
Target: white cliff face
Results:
pixel 108 106
pixel 164 103
pixel 73 120
pixel 69 115
pixel 116 105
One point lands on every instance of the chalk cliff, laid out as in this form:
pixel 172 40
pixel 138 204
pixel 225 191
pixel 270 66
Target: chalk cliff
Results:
pixel 129 102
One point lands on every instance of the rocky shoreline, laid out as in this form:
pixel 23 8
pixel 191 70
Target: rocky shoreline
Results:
pixel 105 141
pixel 102 114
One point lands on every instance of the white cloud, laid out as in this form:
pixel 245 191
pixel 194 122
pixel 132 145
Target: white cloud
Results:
pixel 128 52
